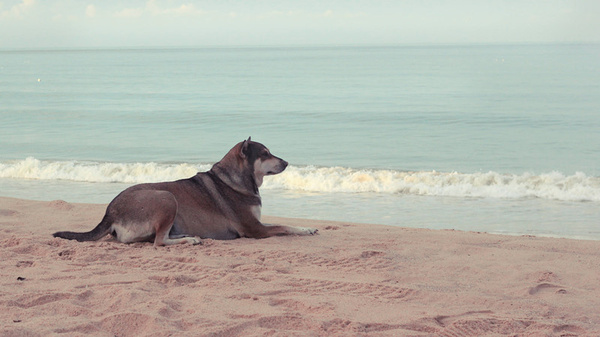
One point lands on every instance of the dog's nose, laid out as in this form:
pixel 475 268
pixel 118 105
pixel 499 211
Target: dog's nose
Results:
pixel 284 163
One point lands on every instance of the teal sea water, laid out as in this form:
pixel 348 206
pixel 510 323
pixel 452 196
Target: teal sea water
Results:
pixel 502 139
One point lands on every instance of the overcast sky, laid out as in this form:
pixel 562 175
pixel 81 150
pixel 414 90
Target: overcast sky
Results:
pixel 155 23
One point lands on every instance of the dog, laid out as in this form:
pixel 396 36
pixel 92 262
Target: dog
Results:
pixel 222 203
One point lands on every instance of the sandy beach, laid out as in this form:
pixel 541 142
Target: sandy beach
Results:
pixel 350 280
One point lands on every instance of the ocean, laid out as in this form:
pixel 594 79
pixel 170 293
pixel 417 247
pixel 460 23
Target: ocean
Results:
pixel 492 138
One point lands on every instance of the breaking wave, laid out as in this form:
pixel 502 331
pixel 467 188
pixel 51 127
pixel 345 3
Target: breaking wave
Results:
pixel 89 171
pixel 553 185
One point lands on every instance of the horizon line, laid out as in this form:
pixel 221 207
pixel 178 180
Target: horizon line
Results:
pixel 294 46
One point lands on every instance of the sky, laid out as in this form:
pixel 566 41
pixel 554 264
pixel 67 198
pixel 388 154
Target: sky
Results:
pixel 33 24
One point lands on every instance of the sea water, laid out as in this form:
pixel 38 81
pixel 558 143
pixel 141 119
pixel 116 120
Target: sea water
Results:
pixel 494 138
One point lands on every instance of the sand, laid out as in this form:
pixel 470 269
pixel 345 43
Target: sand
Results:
pixel 350 280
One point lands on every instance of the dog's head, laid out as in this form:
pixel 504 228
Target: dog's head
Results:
pixel 246 164
pixel 260 159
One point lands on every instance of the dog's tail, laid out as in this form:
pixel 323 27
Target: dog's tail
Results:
pixel 103 228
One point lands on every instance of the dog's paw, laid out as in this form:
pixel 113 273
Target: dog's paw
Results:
pixel 194 240
pixel 308 231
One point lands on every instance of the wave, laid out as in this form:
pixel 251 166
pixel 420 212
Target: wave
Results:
pixel 89 171
pixel 553 185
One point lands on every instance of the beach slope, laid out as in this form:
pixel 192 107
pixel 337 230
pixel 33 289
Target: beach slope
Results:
pixel 350 280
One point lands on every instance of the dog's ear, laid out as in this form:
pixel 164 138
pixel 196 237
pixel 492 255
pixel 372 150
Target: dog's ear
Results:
pixel 244 148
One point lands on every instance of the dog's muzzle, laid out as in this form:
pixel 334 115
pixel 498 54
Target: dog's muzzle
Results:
pixel 279 168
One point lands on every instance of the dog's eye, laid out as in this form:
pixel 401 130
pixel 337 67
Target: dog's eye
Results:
pixel 265 154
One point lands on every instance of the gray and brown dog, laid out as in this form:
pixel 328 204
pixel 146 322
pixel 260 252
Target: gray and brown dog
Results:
pixel 223 203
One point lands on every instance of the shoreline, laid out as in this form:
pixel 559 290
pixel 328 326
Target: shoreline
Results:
pixel 351 279
pixel 575 221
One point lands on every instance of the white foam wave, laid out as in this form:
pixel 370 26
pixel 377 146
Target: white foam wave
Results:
pixel 553 185
pixel 84 171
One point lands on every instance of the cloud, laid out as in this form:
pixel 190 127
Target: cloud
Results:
pixel 90 11
pixel 152 8
pixel 185 9
pixel 130 13
pixel 19 10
